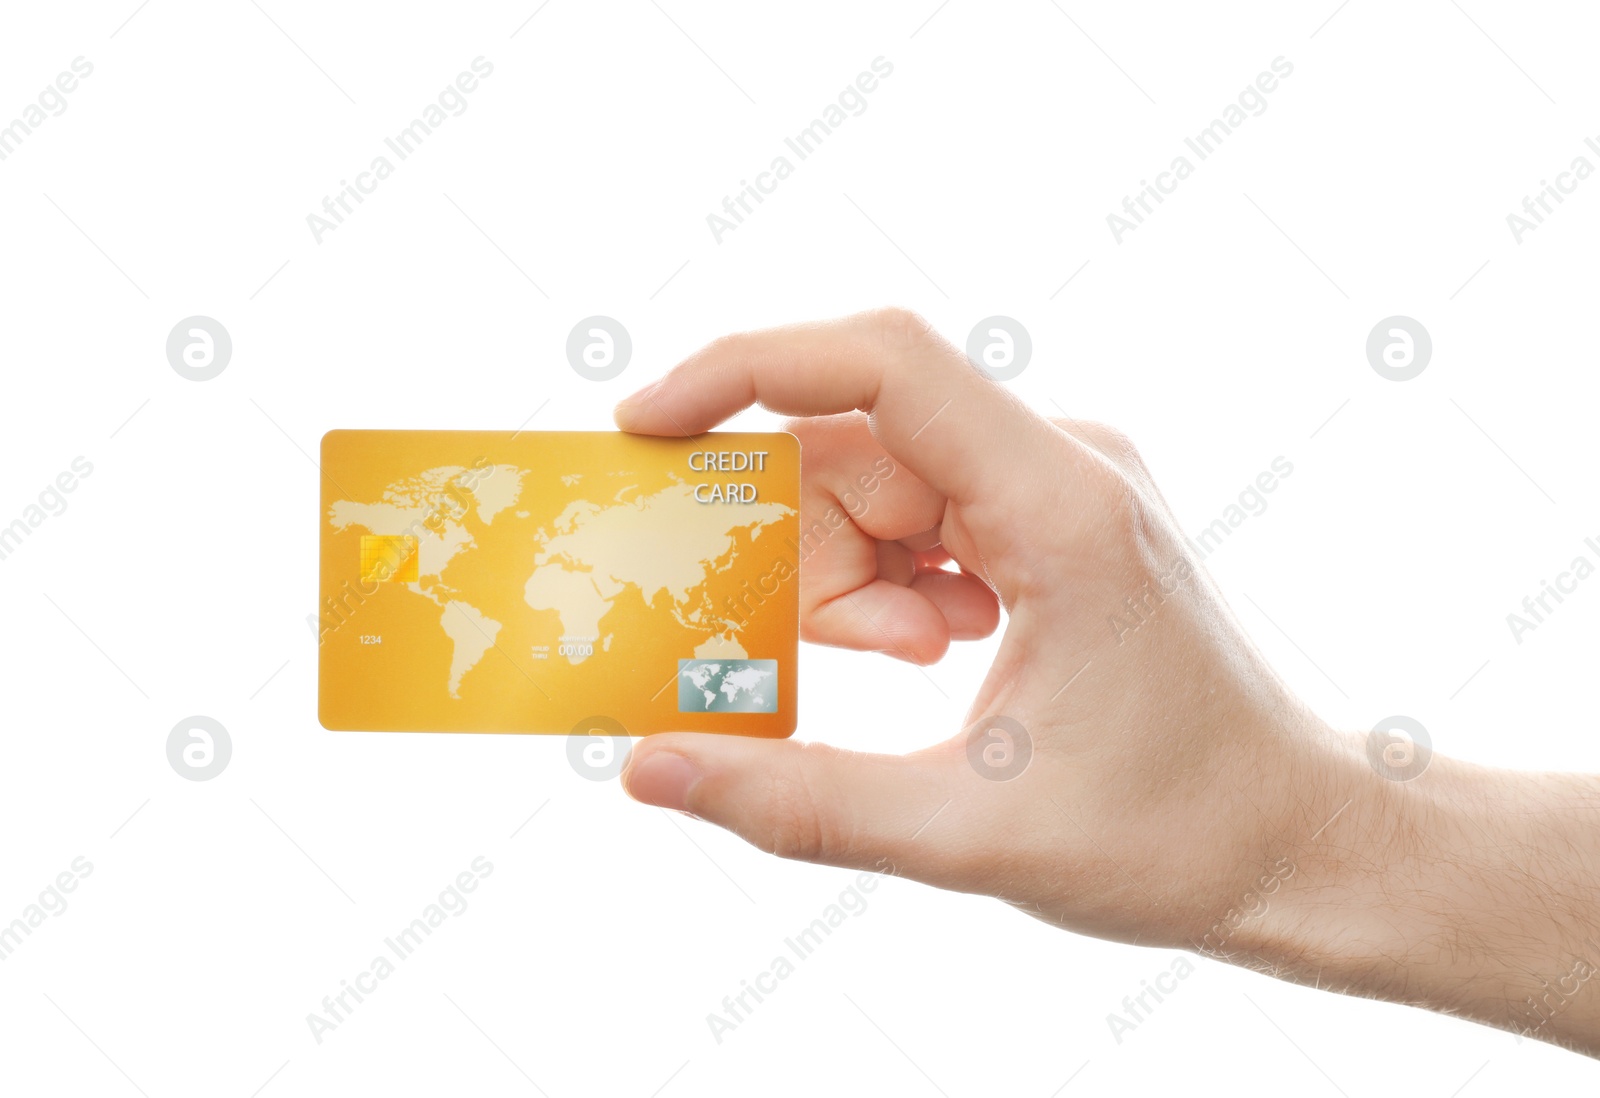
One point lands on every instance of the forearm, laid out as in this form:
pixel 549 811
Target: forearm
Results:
pixel 1465 890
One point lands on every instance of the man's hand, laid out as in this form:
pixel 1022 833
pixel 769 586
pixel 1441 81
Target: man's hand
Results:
pixel 1131 767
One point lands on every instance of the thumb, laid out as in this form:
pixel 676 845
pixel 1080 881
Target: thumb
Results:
pixel 808 801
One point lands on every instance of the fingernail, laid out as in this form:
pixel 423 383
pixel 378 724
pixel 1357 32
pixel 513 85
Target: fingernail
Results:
pixel 663 779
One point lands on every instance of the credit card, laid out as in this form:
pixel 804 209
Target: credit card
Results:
pixel 559 581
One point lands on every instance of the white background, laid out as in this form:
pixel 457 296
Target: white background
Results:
pixel 1223 333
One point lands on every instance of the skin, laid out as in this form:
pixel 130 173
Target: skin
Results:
pixel 1177 793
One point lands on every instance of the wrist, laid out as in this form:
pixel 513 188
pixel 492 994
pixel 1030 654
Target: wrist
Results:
pixel 1467 890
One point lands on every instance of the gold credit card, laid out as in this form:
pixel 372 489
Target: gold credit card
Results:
pixel 559 581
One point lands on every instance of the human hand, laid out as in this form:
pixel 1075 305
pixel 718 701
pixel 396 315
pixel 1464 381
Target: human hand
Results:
pixel 1177 794
pixel 1148 806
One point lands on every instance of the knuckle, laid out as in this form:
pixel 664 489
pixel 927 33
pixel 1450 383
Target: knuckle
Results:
pixel 796 830
pixel 900 328
pixel 725 347
pixel 1124 512
pixel 1113 443
pixel 799 827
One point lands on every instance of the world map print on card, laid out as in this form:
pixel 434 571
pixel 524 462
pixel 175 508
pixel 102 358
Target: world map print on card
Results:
pixel 485 581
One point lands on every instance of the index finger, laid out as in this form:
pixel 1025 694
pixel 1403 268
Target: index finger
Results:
pixel 954 427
